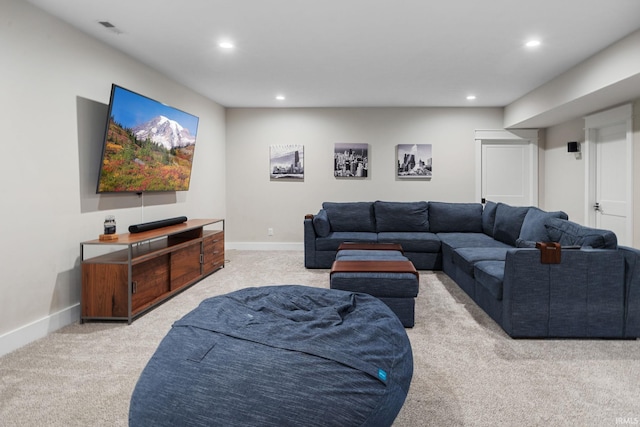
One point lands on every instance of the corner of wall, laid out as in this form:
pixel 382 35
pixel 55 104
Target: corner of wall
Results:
pixel 33 331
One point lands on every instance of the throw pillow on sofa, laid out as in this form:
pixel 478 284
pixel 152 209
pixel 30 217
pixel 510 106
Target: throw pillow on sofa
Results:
pixel 569 233
pixel 508 223
pixel 533 227
pixel 321 223
pixel 489 217
pixel 401 216
pixel 350 216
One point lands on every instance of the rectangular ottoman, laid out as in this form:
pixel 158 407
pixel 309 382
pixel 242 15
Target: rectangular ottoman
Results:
pixel 394 280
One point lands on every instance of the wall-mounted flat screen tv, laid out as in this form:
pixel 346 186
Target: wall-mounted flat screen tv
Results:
pixel 148 146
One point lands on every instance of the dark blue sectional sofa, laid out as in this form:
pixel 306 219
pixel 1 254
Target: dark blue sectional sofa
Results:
pixel 490 252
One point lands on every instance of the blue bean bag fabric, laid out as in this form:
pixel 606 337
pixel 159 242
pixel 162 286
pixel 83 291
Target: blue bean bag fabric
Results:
pixel 278 356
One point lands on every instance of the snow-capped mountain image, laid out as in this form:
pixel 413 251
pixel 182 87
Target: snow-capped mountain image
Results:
pixel 165 132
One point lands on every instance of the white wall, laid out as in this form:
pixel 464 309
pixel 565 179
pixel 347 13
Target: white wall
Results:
pixel 255 203
pixel 55 88
pixel 564 178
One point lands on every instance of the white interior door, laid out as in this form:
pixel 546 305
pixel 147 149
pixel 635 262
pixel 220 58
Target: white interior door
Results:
pixel 505 173
pixel 610 172
pixel 507 165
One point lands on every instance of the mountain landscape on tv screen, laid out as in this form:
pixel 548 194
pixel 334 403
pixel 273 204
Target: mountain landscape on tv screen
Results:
pixel 165 132
pixel 152 156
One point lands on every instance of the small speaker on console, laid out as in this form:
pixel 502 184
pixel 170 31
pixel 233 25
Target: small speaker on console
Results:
pixel 138 228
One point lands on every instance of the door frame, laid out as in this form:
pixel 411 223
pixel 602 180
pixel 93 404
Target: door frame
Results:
pixel 521 136
pixel 622 114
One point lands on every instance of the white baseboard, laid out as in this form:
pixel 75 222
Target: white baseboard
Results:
pixel 265 246
pixel 39 329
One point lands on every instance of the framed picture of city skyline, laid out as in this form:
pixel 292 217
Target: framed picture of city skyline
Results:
pixel 414 161
pixel 351 160
pixel 286 161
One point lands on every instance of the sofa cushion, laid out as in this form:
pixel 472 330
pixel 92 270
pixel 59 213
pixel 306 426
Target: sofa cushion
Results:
pixel 333 240
pixel 466 258
pixel 489 217
pixel 451 241
pixel 490 275
pixel 412 242
pixel 401 216
pixel 365 254
pixel 508 222
pixel 455 217
pixel 321 223
pixel 533 228
pixel 350 216
pixel 521 243
pixel 568 233
pixel 470 240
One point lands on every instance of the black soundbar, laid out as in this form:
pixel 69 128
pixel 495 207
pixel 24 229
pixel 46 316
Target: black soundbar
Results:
pixel 146 226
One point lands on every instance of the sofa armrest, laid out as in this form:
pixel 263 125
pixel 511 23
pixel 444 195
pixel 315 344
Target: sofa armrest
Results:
pixel 632 291
pixel 582 296
pixel 309 242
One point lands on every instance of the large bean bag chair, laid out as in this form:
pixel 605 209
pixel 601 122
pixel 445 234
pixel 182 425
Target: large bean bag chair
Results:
pixel 278 356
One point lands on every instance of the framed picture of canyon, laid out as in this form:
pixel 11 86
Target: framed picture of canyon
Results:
pixel 414 161
pixel 351 160
pixel 286 162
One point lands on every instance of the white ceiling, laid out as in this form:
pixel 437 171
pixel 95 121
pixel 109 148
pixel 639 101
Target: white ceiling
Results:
pixel 355 53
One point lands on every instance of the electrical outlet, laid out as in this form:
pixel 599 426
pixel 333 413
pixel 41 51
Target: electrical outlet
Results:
pixel 270 231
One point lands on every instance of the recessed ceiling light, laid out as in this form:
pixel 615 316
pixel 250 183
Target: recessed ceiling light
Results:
pixel 280 97
pixel 471 97
pixel 533 43
pixel 226 45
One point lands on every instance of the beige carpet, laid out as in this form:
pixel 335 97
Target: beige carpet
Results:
pixel 467 372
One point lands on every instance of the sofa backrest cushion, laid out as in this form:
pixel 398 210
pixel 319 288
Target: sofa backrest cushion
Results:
pixel 321 223
pixel 533 227
pixel 455 217
pixel 569 233
pixel 350 216
pixel 401 216
pixel 489 217
pixel 508 223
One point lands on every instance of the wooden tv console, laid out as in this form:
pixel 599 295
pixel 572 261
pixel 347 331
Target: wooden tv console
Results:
pixel 154 266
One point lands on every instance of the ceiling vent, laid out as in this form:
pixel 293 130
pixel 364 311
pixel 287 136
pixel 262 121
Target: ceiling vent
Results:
pixel 109 26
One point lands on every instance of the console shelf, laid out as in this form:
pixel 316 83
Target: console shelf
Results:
pixel 150 268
